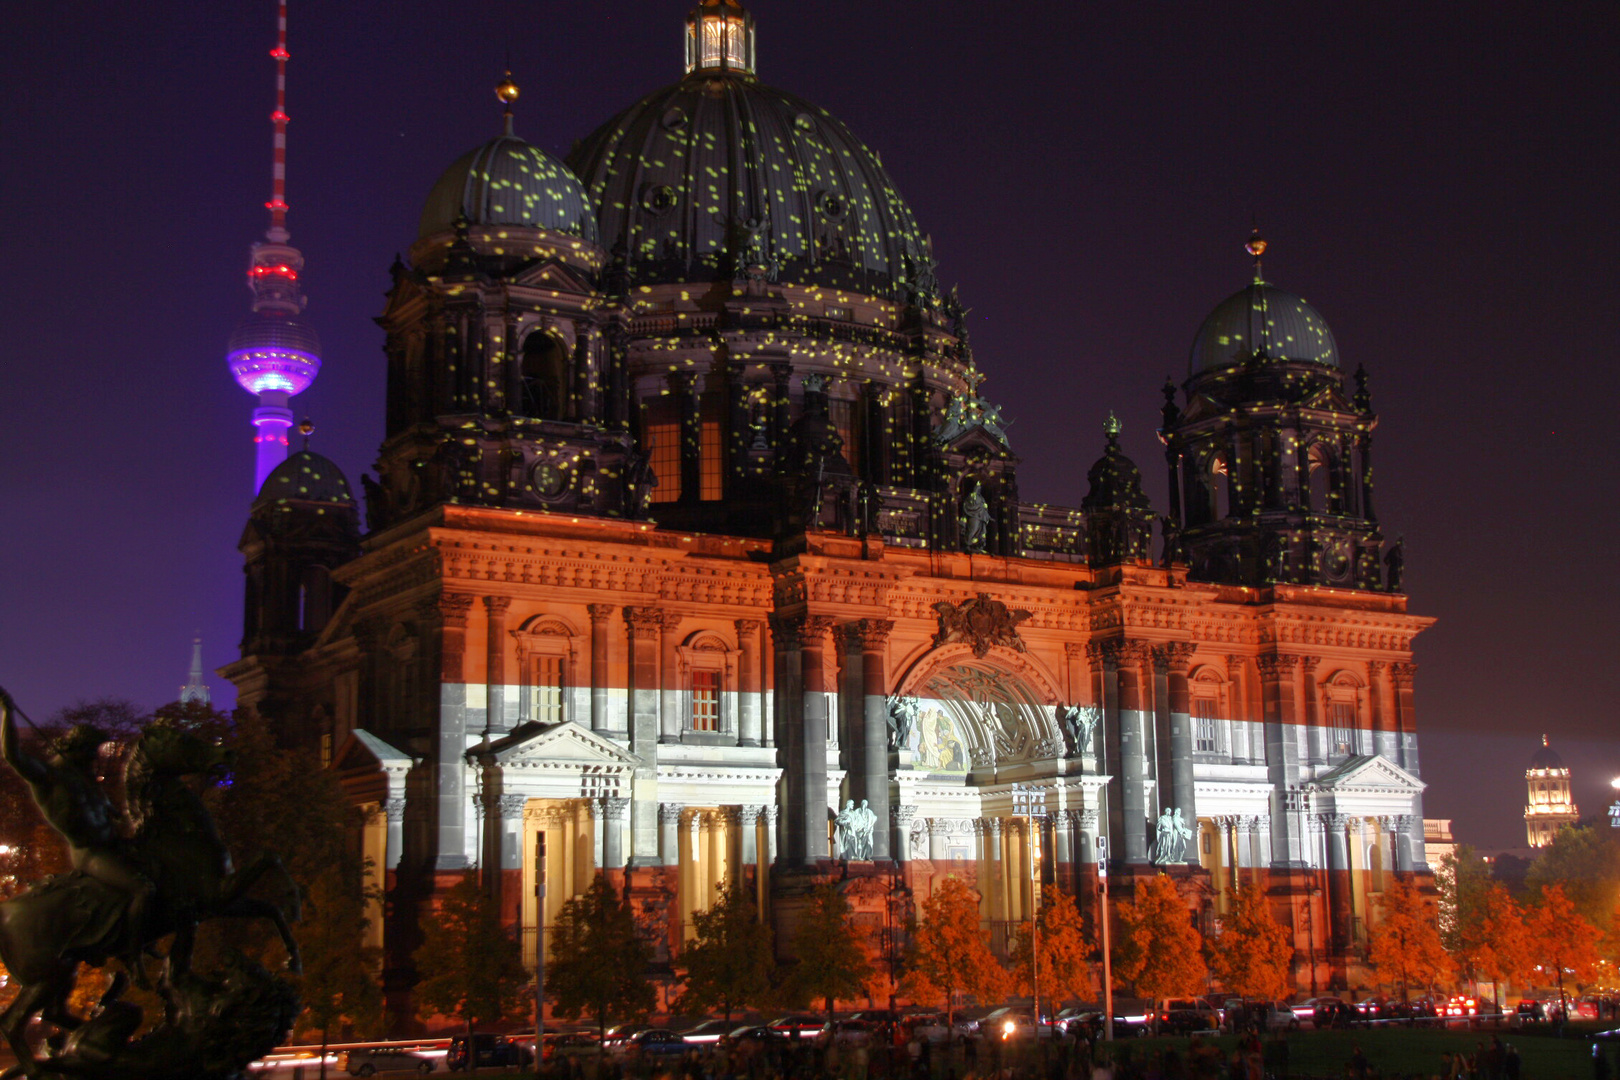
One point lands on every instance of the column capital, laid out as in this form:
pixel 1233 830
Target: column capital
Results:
pixel 992 827
pixel 451 607
pixel 669 813
pixel 1235 663
pixel 1226 821
pixel 1377 667
pixel 903 815
pixel 748 627
pixel 497 605
pixel 1173 657
pixel 512 805
pixel 615 806
pixel 1333 822
pixel 871 634
pixel 1403 671
pixel 1089 820
pixel 748 815
pixel 600 612
pixel 771 812
pixel 1277 665
pixel 1309 664
pixel 394 810
pixel 645 623
pixel 1251 824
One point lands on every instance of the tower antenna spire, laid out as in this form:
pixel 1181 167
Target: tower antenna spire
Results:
pixel 277 233
pixel 274 354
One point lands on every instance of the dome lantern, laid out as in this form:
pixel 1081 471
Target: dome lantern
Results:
pixel 719 37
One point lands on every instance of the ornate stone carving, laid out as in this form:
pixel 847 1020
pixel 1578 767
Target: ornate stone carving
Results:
pixel 1403 672
pixel 1079 725
pixel 1277 665
pixel 1089 820
pixel 1170 838
pixel 453 608
pixel 1173 657
pixel 748 815
pixel 669 813
pixel 497 605
pixel 1052 746
pixel 600 612
pixel 903 816
pixel 981 622
pixel 871 634
pixel 394 810
pixel 902 721
pixel 511 806
pixel 615 807
pixel 645 623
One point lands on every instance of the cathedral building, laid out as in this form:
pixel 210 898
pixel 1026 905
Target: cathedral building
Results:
pixel 695 546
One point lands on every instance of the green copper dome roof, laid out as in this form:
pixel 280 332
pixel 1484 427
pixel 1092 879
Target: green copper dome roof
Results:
pixel 508 181
pixel 305 477
pixel 717 172
pixel 1258 318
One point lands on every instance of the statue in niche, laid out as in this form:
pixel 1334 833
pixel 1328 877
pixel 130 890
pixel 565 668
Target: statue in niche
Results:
pixel 843 824
pixel 1395 564
pixel 852 829
pixel 976 516
pixel 1170 838
pixel 903 712
pixel 1079 723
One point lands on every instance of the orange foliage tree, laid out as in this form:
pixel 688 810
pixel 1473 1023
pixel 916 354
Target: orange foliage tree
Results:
pixel 1405 946
pixel 1252 953
pixel 1156 945
pixel 1500 947
pixel 949 952
pixel 1065 953
pixel 1561 940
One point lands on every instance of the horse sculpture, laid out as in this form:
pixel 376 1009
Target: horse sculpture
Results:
pixel 74 918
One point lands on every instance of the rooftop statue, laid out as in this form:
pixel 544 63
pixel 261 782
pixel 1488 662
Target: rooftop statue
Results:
pixel 167 872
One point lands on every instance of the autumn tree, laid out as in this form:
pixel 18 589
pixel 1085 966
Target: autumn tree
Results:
pixel 470 967
pixel 1156 945
pixel 1583 861
pixel 339 984
pixel 597 961
pixel 1064 954
pixel 1252 954
pixel 1405 946
pixel 832 961
pixel 1462 880
pixel 949 953
pixel 730 961
pixel 1500 946
pixel 1562 940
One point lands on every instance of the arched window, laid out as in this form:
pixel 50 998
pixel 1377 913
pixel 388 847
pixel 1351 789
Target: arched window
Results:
pixel 1321 480
pixel 545 365
pixel 1219 488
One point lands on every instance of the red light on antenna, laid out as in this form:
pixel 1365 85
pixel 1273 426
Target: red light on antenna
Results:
pixel 280 270
pixel 279 117
pixel 279 53
pixel 276 204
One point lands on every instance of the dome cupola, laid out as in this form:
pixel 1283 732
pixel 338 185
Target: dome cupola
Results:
pixel 1262 322
pixel 717 172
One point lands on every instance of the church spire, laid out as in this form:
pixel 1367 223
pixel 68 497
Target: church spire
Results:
pixel 196 692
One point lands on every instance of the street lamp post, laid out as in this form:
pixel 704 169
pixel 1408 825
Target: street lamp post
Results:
pixel 1310 928
pixel 539 948
pixel 1029 802
pixel 1108 962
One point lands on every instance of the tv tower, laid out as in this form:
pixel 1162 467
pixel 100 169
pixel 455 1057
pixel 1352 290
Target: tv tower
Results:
pixel 273 352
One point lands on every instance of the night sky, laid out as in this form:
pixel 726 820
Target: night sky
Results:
pixel 1438 180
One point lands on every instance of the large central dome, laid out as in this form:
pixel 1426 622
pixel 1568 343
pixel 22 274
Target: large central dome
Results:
pixel 718 172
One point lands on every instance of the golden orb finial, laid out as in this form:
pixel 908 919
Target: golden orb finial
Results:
pixel 1256 245
pixel 507 91
pixel 1112 427
pixel 306 427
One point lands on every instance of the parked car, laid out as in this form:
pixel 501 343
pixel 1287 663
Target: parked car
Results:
pixel 383 1059
pixel 1269 1016
pixel 1012 1022
pixel 709 1032
pixel 652 1043
pixel 1332 1013
pixel 481 1049
pixel 1125 1026
pixel 929 1027
pixel 762 1034
pixel 807 1025
pixel 567 1044
pixel 847 1033
pixel 620 1034
pixel 1183 1016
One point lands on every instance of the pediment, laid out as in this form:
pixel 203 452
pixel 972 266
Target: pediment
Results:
pixel 551 274
pixel 363 750
pixel 558 744
pixel 1368 773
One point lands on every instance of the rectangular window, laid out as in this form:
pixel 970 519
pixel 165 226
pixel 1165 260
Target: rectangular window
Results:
pixel 843 418
pixel 1205 738
pixel 705 701
pixel 1342 737
pixel 547 691
pixel 326 750
pixel 662 429
pixel 712 449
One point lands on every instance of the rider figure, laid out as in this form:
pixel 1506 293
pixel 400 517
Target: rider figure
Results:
pixel 65 789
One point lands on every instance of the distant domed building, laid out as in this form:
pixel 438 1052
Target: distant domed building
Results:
pixel 1551 806
pixel 696 546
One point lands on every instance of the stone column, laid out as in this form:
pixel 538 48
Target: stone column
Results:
pixel 804 699
pixel 872 747
pixel 616 815
pixel 643 625
pixel 748 833
pixel 597 813
pixel 1133 752
pixel 1386 740
pixel 1338 878
pixel 750 718
pixel 770 833
pixel 1402 676
pixel 902 817
pixel 669 839
pixel 993 846
pixel 1277 676
pixel 601 679
pixel 394 812
pixel 495 662
pixel 1175 659
pixel 1395 827
pixel 1319 739
pixel 446 619
pixel 669 706
pixel 938 830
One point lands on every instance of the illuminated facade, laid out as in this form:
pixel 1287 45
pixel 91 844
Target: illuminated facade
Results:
pixel 273 353
pixel 692 528
pixel 1551 807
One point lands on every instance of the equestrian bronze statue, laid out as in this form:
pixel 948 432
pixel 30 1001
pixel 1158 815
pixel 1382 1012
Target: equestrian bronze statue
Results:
pixel 130 887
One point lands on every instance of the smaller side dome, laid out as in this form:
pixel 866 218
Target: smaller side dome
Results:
pixel 508 181
pixel 1115 480
pixel 305 477
pixel 1546 757
pixel 1261 319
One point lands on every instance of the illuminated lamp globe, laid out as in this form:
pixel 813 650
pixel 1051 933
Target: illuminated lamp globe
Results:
pixel 273 354
pixel 1615 783
pixel 506 90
